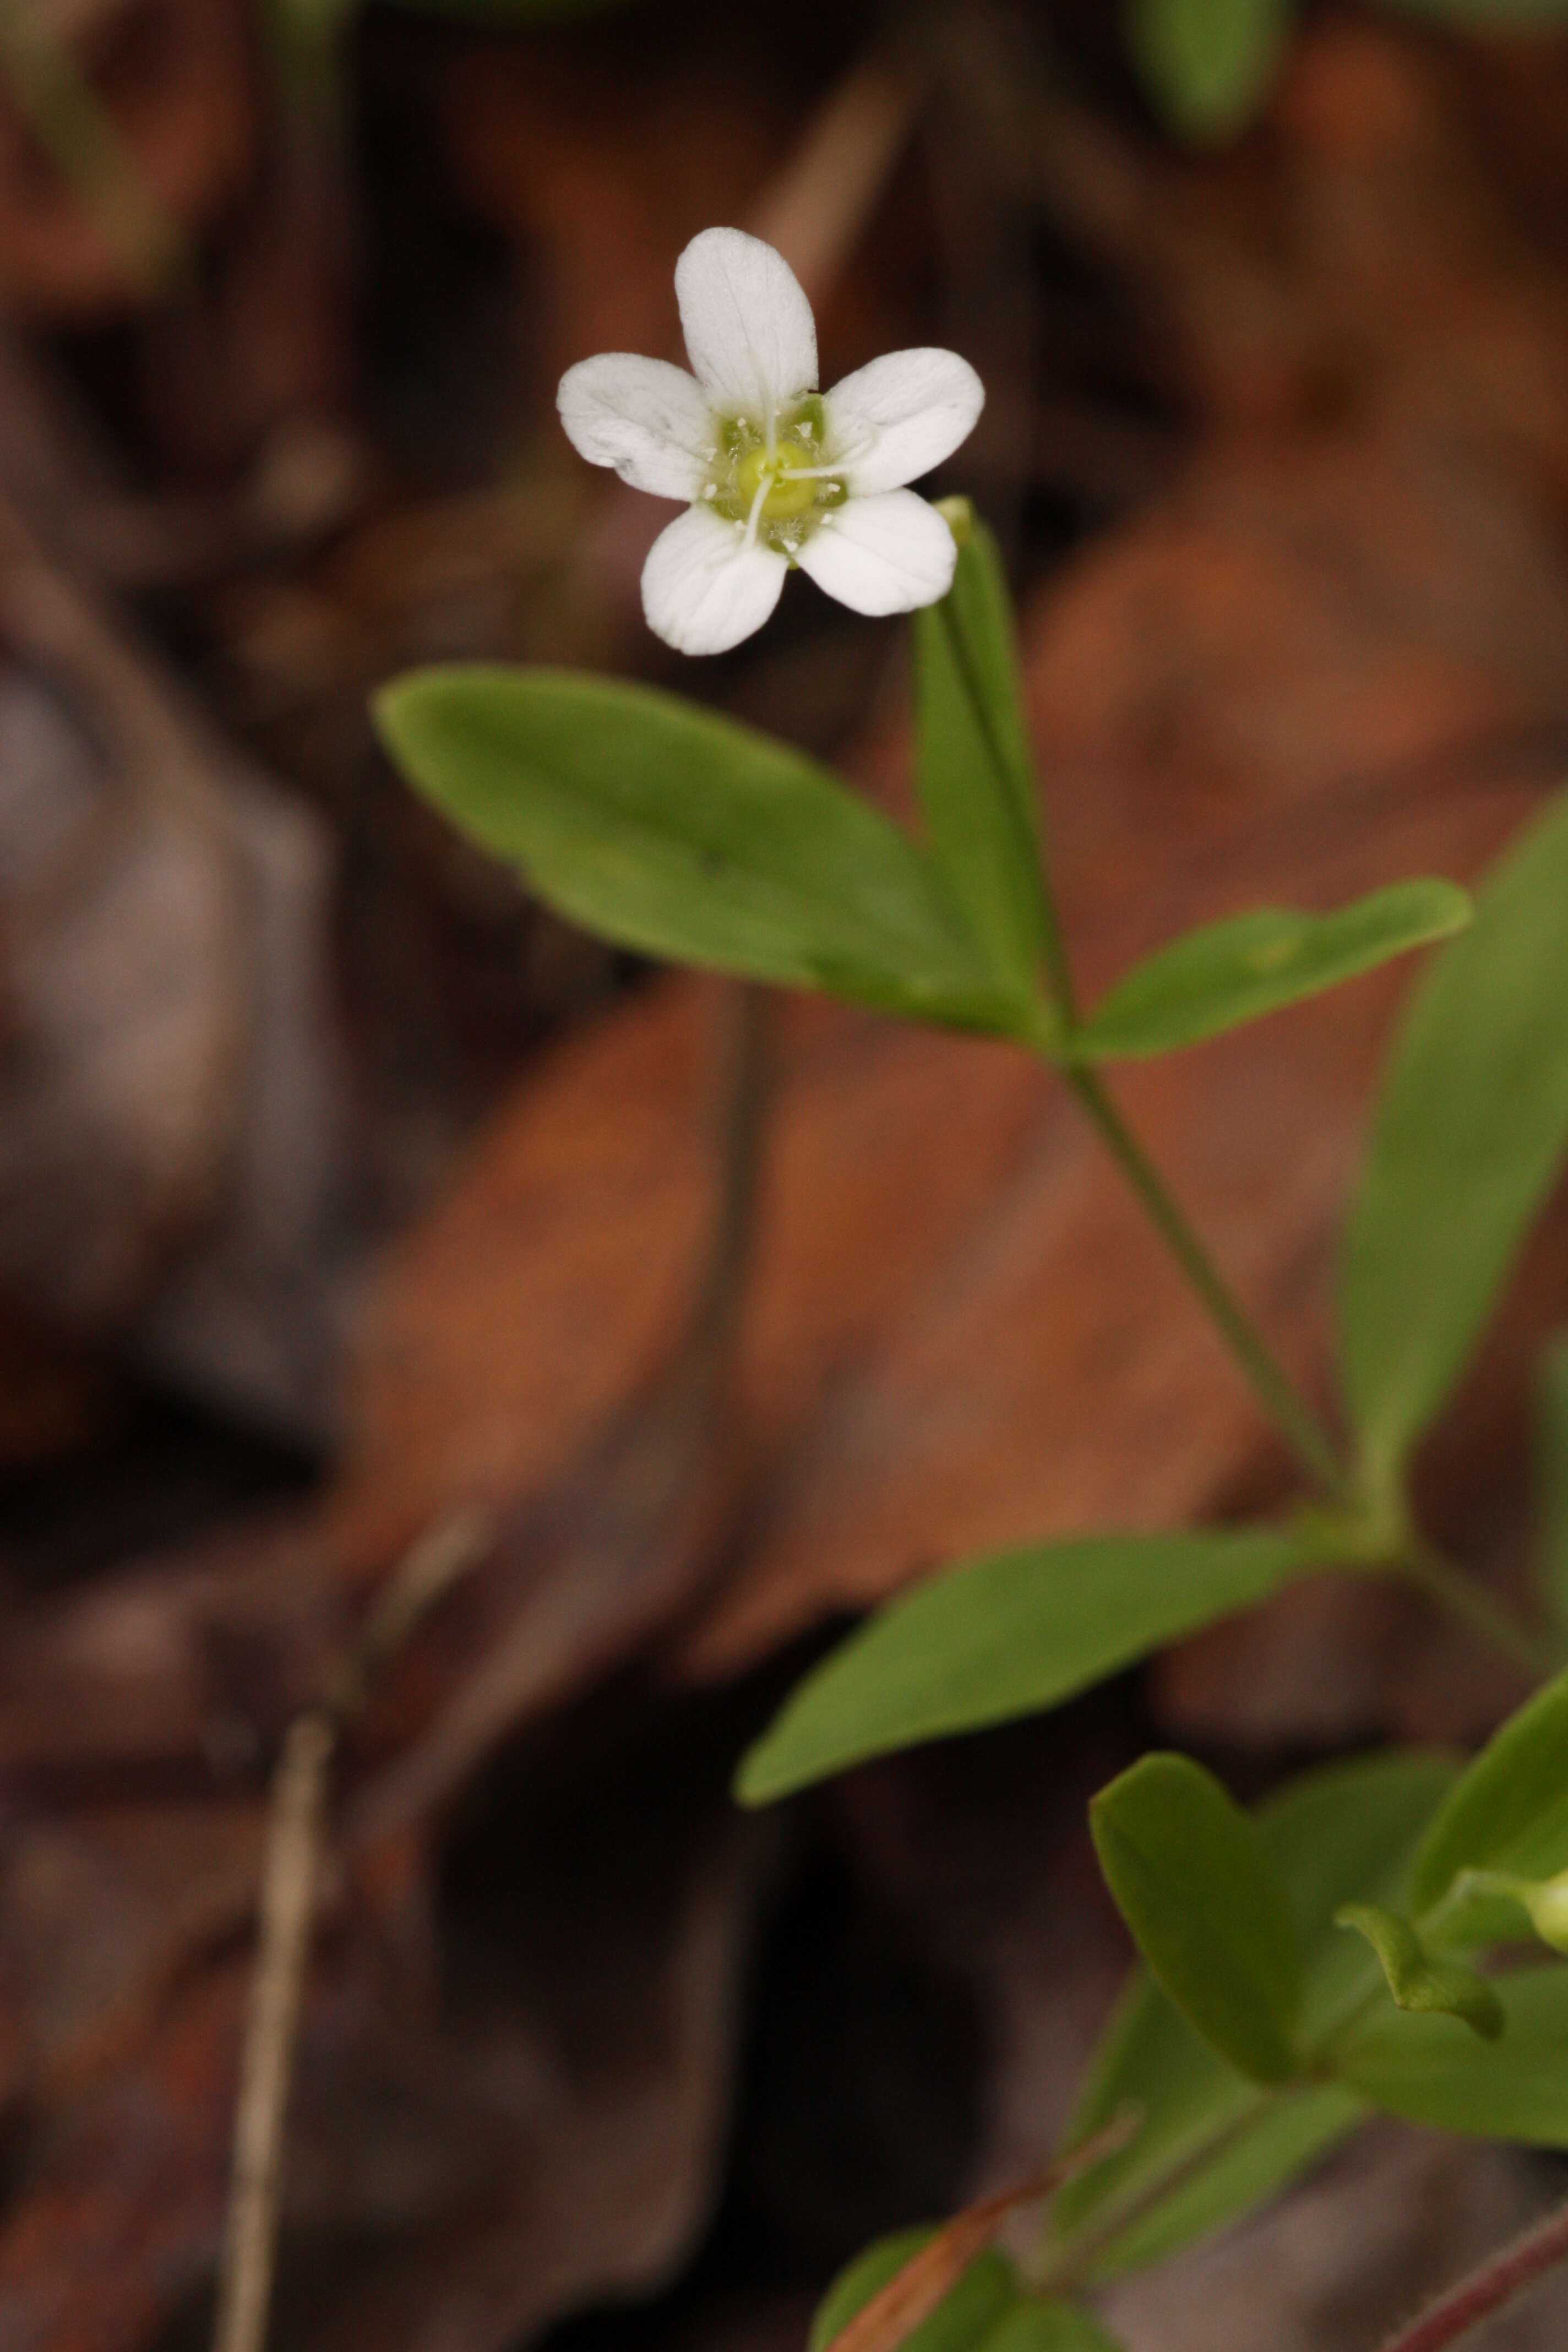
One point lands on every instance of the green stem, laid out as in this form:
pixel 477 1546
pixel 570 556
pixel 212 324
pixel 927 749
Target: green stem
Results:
pixel 1291 1415
pixel 1067 2267
pixel 1461 1597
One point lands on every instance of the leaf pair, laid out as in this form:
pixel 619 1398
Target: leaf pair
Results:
pixel 1215 2138
pixel 670 830
pixel 1241 2043
pixel 1211 1914
pixel 975 776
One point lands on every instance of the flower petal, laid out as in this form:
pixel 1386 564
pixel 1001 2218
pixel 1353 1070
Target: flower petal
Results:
pixel 749 329
pixel 914 408
pixel 703 588
pixel 885 554
pixel 649 420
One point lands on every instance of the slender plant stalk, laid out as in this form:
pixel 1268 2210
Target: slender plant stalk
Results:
pixel 1291 1415
pixel 286 1915
pixel 1497 2281
pixel 1536 1652
pixel 1064 2268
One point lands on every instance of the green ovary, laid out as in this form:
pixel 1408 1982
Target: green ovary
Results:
pixel 787 494
pixel 794 495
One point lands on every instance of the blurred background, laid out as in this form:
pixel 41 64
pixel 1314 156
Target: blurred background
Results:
pixel 342 1188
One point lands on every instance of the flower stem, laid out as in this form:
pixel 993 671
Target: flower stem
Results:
pixel 1290 1414
pixel 1497 2281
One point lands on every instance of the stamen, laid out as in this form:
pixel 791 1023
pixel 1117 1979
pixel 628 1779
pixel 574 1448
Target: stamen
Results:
pixel 812 473
pixel 764 487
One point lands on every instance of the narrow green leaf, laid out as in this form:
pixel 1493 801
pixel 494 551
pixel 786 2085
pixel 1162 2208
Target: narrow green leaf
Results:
pixel 1339 1834
pixel 1432 2071
pixel 1470 1134
pixel 974 769
pixel 1207 1909
pixel 1553 1537
pixel 1209 64
pixel 961 2322
pixel 1230 973
pixel 1509 1810
pixel 1267 2143
pixel 1417 1980
pixel 665 828
pixel 1008 1634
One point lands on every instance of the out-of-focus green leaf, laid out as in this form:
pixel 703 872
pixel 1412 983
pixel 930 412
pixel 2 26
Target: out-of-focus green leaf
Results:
pixel 986 2311
pixel 961 2322
pixel 973 768
pixel 1037 2326
pixel 665 828
pixel 1209 65
pixel 1008 1634
pixel 1498 1906
pixel 1469 1135
pixel 1237 971
pixel 1341 1834
pixel 1553 1534
pixel 1432 2069
pixel 1206 1908
pixel 1509 1810
pixel 1417 1981
pixel 1262 2148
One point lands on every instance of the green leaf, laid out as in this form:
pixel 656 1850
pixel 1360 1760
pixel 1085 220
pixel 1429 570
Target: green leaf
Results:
pixel 1498 1906
pixel 668 829
pixel 1037 2326
pixel 1008 1634
pixel 1470 1134
pixel 1509 1810
pixel 974 769
pixel 1432 2071
pixel 1553 1538
pixel 1336 1835
pixel 1209 64
pixel 1264 2144
pixel 961 2322
pixel 1208 1911
pixel 1226 973
pixel 1417 1980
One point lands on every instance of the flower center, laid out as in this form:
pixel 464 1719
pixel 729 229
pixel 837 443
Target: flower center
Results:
pixel 787 491
pixel 771 479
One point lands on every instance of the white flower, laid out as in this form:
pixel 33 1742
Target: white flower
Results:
pixel 777 474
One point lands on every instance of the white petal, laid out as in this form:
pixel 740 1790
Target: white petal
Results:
pixel 649 420
pixel 749 329
pixel 885 554
pixel 912 408
pixel 703 588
